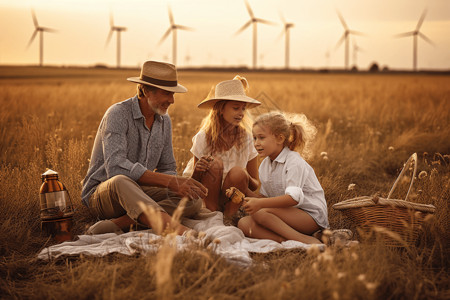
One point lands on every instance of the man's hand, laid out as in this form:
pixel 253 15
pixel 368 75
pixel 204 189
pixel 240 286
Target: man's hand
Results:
pixel 252 205
pixel 188 187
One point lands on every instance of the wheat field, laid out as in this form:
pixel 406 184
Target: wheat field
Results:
pixel 368 126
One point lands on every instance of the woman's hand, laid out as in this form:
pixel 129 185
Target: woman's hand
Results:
pixel 252 205
pixel 203 164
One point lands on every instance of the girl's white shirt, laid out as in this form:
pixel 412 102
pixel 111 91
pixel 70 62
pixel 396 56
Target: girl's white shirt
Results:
pixel 235 157
pixel 290 174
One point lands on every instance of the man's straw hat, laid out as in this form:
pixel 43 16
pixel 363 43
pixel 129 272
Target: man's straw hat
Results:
pixel 160 75
pixel 229 90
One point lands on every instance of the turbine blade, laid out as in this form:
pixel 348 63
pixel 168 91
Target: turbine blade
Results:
pixel 341 40
pixel 172 22
pixel 108 39
pixel 422 17
pixel 111 20
pixel 404 34
pixel 182 27
pixel 46 29
pixel 281 34
pixel 264 21
pixel 166 34
pixel 341 18
pixel 35 21
pixel 282 17
pixel 249 9
pixel 426 38
pixel 356 32
pixel 32 38
pixel 243 27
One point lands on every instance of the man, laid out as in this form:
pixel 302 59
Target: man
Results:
pixel 132 161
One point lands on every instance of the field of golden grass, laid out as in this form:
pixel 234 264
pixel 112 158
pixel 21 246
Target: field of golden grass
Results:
pixel 368 125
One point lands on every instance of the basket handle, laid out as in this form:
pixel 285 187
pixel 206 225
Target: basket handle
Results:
pixel 412 157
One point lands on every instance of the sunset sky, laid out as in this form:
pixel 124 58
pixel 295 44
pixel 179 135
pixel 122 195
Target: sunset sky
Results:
pixel 83 26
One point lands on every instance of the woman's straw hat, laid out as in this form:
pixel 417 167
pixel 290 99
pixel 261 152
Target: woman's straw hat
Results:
pixel 229 90
pixel 160 75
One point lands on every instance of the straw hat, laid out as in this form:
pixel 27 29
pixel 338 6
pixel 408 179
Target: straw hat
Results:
pixel 161 75
pixel 229 90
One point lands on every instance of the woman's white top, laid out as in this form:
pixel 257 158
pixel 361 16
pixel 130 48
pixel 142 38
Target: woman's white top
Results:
pixel 289 174
pixel 234 157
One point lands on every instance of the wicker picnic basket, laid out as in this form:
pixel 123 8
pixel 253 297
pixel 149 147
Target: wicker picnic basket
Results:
pixel 399 221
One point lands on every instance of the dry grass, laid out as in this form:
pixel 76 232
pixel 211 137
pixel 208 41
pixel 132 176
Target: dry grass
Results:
pixel 368 126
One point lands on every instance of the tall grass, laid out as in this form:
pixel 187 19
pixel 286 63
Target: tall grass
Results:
pixel 368 126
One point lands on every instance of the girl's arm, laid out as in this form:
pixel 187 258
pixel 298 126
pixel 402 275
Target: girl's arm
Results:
pixel 252 169
pixel 252 205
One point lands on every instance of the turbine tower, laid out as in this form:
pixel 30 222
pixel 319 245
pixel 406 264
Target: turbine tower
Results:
pixel 345 37
pixel 253 21
pixel 356 49
pixel 119 30
pixel 287 26
pixel 415 34
pixel 40 30
pixel 173 29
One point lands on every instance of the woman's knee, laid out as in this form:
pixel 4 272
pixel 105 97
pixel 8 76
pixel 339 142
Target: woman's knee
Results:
pixel 237 175
pixel 217 164
pixel 215 171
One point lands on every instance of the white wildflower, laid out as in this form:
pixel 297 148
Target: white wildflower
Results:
pixel 351 187
pixel 423 174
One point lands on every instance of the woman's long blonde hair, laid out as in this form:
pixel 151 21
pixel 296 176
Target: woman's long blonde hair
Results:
pixel 297 130
pixel 213 123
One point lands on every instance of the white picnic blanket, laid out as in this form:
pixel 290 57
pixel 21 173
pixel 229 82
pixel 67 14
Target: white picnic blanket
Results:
pixel 233 246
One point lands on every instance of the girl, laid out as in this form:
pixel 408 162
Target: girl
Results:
pixel 295 206
pixel 223 152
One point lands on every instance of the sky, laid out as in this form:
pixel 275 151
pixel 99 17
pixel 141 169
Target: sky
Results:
pixel 83 26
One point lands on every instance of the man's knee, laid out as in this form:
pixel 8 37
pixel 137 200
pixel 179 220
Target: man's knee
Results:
pixel 192 207
pixel 119 181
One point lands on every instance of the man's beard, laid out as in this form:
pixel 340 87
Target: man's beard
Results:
pixel 158 110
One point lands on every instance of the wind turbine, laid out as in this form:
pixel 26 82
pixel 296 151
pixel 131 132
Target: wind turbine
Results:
pixel 173 29
pixel 287 26
pixel 345 37
pixel 40 30
pixel 253 20
pixel 356 49
pixel 415 34
pixel 119 30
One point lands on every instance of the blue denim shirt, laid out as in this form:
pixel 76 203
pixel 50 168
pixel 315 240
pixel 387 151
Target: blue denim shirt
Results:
pixel 124 145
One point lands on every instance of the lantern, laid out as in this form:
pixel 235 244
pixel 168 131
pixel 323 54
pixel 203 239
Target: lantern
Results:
pixel 56 207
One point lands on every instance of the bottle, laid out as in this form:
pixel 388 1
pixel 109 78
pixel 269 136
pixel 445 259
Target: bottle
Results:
pixel 56 207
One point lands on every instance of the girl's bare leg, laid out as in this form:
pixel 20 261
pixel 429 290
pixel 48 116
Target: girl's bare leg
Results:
pixel 252 229
pixel 239 178
pixel 212 180
pixel 290 222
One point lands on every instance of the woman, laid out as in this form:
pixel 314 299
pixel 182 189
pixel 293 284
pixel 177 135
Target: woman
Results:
pixel 223 151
